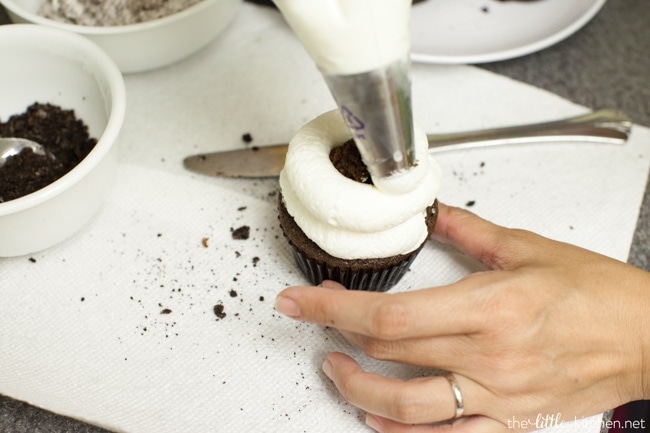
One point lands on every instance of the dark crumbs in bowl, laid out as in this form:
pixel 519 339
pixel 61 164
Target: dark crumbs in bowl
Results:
pixel 59 131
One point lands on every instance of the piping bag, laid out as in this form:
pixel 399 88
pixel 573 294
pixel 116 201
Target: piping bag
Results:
pixel 361 47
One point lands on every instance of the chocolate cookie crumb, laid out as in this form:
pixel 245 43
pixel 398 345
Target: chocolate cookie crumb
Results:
pixel 218 311
pixel 247 138
pixel 204 242
pixel 232 293
pixel 166 311
pixel 241 233
pixel 347 160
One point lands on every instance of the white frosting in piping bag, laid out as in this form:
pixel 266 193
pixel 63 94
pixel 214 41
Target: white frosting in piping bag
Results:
pixel 350 36
pixel 348 219
pixel 350 40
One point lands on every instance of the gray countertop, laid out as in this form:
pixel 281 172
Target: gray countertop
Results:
pixel 604 65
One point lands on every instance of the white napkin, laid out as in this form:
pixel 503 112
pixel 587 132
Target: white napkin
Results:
pixel 116 326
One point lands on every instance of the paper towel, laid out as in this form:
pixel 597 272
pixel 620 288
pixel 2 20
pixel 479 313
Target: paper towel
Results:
pixel 117 325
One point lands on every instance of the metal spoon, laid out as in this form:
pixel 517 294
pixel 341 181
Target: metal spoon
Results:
pixel 10 146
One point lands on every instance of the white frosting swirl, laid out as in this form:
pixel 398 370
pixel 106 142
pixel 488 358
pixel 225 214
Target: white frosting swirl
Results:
pixel 350 36
pixel 348 219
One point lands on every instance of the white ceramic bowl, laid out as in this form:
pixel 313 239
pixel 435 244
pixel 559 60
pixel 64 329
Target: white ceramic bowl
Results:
pixel 42 64
pixel 147 45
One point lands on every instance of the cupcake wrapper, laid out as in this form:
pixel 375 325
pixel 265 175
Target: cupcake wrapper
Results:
pixel 369 280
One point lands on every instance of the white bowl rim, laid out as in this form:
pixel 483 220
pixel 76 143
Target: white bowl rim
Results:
pixel 107 30
pixel 105 141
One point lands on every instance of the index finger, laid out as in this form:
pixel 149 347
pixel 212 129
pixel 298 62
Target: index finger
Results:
pixel 444 310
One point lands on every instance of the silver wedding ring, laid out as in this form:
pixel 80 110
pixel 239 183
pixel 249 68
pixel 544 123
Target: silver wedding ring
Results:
pixel 458 396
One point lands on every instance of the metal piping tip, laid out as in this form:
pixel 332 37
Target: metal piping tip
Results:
pixel 376 106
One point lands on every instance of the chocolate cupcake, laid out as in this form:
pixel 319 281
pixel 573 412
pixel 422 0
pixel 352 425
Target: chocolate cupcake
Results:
pixel 339 225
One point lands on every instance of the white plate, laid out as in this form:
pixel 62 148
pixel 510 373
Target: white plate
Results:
pixel 479 31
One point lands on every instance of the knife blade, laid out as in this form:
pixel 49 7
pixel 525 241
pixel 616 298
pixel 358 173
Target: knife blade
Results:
pixel 604 126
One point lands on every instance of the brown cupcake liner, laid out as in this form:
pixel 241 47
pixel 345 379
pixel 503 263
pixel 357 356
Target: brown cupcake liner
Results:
pixel 374 280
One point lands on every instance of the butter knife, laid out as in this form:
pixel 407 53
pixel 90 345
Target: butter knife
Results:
pixel 604 126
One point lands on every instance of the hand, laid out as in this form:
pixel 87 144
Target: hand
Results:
pixel 550 333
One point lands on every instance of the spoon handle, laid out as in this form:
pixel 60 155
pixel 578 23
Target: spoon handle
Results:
pixel 604 126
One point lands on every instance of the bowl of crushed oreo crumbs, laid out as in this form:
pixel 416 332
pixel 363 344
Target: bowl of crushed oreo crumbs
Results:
pixel 60 90
pixel 139 35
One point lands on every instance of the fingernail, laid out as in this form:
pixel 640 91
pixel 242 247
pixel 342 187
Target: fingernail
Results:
pixel 331 285
pixel 287 306
pixel 373 422
pixel 327 368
